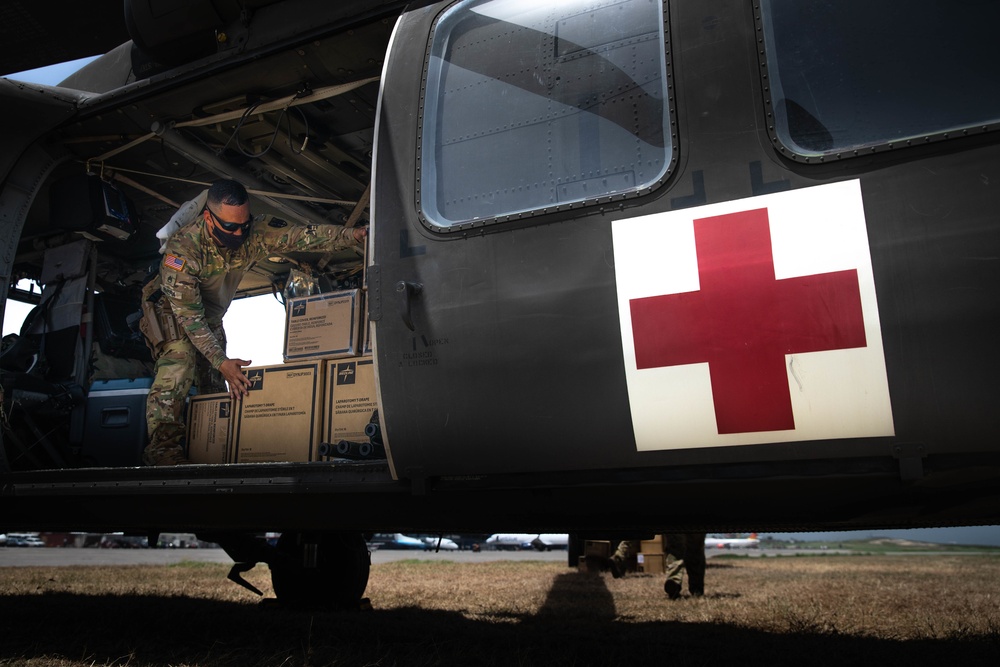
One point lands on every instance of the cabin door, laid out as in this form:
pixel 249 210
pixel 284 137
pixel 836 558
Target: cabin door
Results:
pixel 507 139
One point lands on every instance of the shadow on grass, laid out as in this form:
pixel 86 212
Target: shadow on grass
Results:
pixel 575 626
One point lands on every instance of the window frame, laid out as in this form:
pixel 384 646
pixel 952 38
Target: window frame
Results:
pixel 764 53
pixel 671 146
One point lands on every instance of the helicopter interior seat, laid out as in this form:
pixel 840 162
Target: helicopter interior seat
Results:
pixel 44 367
pixel 54 328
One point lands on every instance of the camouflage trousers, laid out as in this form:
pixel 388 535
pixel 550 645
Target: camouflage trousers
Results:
pixel 683 552
pixel 178 366
pixel 686 552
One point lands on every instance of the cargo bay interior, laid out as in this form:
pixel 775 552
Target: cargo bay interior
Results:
pixel 293 122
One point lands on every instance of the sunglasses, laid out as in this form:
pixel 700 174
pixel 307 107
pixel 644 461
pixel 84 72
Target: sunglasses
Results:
pixel 231 226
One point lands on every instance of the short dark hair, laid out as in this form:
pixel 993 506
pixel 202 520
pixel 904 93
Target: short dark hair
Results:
pixel 228 192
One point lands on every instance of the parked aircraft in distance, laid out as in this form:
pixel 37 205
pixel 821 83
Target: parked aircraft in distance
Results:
pixel 396 541
pixel 440 544
pixel 540 541
pixel 750 542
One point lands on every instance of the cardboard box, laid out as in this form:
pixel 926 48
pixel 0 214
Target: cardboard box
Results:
pixel 591 564
pixel 651 563
pixel 653 546
pixel 598 548
pixel 350 399
pixel 323 326
pixel 208 428
pixel 281 417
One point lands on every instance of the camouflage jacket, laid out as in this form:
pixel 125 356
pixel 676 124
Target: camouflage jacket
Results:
pixel 199 279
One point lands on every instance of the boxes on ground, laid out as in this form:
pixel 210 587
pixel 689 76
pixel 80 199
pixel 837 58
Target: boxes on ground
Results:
pixel 595 556
pixel 208 428
pixel 653 546
pixel 651 563
pixel 323 326
pixel 115 422
pixel 598 548
pixel 650 558
pixel 281 417
pixel 350 399
pixel 591 564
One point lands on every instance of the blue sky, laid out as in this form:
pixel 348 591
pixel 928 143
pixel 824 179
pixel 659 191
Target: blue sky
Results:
pixel 255 329
pixel 52 74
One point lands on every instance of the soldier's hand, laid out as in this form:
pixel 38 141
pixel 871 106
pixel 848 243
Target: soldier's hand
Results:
pixel 232 373
pixel 360 234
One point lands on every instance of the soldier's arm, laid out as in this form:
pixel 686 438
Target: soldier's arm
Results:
pixel 180 286
pixel 280 235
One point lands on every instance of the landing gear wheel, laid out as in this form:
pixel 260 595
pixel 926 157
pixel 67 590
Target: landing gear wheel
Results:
pixel 321 571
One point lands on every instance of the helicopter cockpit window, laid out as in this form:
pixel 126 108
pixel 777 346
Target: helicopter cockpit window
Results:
pixel 852 76
pixel 532 107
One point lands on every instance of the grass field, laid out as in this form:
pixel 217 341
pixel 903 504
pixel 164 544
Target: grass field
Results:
pixel 831 610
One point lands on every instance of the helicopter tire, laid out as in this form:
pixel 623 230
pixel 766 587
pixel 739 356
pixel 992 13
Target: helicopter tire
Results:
pixel 321 571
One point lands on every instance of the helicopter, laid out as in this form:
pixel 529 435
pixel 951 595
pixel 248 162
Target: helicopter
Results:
pixel 631 266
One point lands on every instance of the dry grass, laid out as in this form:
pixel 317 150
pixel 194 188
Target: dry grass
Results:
pixel 826 611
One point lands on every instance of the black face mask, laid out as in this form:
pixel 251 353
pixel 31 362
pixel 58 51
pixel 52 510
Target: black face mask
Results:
pixel 228 239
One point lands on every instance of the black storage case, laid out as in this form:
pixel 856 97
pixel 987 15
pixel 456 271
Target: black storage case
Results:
pixel 115 423
pixel 114 317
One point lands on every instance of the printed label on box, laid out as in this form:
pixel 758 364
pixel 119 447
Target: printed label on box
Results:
pixel 208 428
pixel 322 326
pixel 280 418
pixel 350 401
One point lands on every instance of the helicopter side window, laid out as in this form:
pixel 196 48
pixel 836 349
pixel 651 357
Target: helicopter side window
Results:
pixel 850 75
pixel 534 107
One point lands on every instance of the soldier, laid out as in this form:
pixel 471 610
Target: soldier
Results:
pixel 203 264
pixel 684 551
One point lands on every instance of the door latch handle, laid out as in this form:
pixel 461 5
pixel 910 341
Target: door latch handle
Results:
pixel 408 291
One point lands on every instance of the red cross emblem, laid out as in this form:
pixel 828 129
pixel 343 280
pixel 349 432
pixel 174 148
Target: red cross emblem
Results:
pixel 743 321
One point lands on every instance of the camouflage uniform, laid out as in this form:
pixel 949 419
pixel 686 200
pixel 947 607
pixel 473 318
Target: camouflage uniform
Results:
pixel 199 280
pixel 684 551
pixel 620 558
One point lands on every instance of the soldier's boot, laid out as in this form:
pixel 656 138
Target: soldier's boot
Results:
pixel 166 445
pixel 675 576
pixel 166 438
pixel 164 455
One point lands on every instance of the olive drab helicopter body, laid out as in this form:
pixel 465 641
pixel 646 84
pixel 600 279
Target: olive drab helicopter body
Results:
pixel 724 265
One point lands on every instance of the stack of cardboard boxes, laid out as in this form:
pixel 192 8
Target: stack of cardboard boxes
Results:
pixel 595 556
pixel 650 559
pixel 324 392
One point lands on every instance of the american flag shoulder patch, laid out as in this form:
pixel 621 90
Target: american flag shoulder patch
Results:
pixel 174 262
